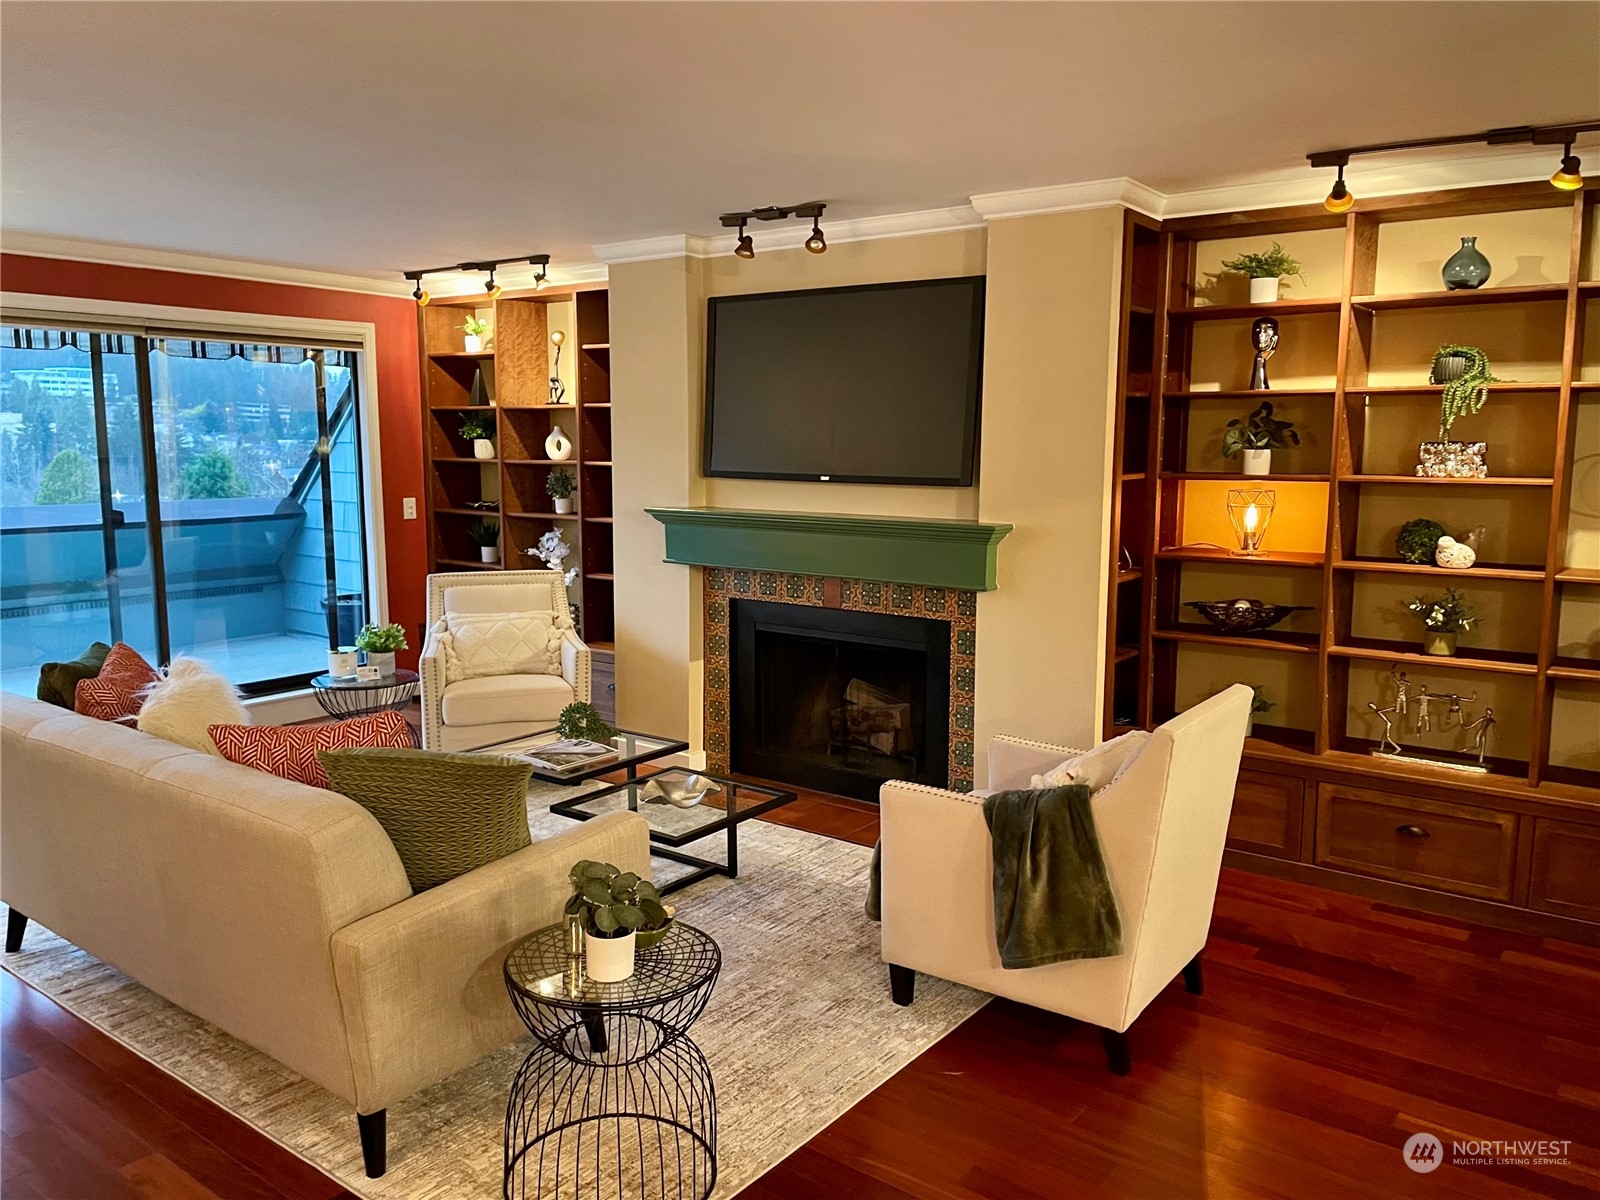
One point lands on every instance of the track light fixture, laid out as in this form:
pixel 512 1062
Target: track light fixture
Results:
pixel 1567 176
pixel 420 296
pixel 542 261
pixel 811 211
pixel 493 288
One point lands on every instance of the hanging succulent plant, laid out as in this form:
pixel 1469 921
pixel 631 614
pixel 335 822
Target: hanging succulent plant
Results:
pixel 1467 392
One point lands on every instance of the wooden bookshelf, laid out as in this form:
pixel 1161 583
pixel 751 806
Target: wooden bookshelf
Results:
pixel 1356 342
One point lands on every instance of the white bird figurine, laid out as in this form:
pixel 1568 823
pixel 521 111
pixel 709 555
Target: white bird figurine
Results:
pixel 1457 556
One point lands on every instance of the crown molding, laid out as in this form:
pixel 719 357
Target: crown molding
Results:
pixel 1070 197
pixel 672 245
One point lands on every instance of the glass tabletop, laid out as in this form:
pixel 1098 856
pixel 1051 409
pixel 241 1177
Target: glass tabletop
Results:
pixel 631 749
pixel 670 825
pixel 399 678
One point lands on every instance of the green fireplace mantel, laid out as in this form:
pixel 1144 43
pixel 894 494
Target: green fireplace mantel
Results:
pixel 929 551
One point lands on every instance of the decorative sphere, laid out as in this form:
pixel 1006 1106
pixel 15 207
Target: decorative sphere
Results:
pixel 557 337
pixel 1453 554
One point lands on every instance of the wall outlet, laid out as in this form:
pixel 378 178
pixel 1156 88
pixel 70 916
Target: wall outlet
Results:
pixel 408 508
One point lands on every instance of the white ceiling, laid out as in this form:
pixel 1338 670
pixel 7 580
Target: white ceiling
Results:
pixel 370 137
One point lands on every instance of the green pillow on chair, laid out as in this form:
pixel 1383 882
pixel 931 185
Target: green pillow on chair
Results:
pixel 446 814
pixel 58 682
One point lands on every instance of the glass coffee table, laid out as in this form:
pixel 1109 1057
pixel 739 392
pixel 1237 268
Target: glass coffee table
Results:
pixel 672 828
pixel 632 749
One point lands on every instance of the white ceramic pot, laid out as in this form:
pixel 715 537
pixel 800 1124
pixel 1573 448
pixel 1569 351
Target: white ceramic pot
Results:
pixel 558 446
pixel 1250 725
pixel 1256 462
pixel 490 553
pixel 474 344
pixel 1264 291
pixel 482 448
pixel 608 960
pixel 342 662
pixel 563 504
pixel 383 660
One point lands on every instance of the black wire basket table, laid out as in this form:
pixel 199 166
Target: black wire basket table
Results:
pixel 360 698
pixel 615 1102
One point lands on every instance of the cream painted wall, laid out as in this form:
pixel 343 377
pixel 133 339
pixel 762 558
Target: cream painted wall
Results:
pixel 1048 395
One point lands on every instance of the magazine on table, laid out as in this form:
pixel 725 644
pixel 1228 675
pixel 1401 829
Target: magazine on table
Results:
pixel 570 754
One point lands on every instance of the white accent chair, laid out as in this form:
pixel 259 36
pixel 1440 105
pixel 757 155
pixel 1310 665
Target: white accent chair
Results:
pixel 1161 827
pixel 477 712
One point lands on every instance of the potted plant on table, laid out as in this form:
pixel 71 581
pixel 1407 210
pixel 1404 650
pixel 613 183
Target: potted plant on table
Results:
pixel 1253 438
pixel 580 719
pixel 614 906
pixel 1444 617
pixel 560 484
pixel 1464 373
pixel 380 643
pixel 476 329
pixel 478 428
pixel 1265 269
pixel 487 535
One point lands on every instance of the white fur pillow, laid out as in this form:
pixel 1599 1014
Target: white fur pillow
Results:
pixel 190 698
pixel 478 644
pixel 1100 767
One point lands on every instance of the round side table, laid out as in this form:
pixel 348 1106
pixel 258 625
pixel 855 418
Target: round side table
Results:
pixel 615 1101
pixel 357 698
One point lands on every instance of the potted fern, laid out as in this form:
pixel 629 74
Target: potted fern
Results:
pixel 380 642
pixel 1265 270
pixel 478 428
pixel 476 329
pixel 560 484
pixel 1464 373
pixel 487 535
pixel 1251 439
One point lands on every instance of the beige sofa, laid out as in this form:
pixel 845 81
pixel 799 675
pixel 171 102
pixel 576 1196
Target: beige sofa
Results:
pixel 276 911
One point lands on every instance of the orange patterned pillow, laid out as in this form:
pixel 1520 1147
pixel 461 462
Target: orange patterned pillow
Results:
pixel 290 751
pixel 118 691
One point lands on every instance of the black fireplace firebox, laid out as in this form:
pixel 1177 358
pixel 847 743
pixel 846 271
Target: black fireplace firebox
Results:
pixel 837 700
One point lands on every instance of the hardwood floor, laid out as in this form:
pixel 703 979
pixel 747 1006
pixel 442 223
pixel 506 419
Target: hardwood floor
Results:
pixel 1331 1029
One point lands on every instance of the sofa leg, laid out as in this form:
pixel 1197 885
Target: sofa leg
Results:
pixel 902 984
pixel 1116 1045
pixel 1192 979
pixel 374 1141
pixel 15 924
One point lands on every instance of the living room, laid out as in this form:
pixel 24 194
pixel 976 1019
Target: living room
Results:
pixel 576 625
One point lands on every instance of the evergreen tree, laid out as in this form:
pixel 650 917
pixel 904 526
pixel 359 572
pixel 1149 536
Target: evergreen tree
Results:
pixel 69 479
pixel 212 476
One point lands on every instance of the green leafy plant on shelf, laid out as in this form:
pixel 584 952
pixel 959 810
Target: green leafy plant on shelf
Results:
pixel 476 426
pixel 1258 431
pixel 484 533
pixel 581 719
pixel 1268 264
pixel 613 903
pixel 475 326
pixel 1418 539
pixel 381 639
pixel 1258 700
pixel 1468 392
pixel 560 484
pixel 1445 613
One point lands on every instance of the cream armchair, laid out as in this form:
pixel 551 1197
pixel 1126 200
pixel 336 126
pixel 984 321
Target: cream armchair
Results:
pixel 1161 829
pixel 477 712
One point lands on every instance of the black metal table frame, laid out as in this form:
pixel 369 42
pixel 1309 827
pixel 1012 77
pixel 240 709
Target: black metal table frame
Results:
pixel 668 845
pixel 631 765
pixel 401 688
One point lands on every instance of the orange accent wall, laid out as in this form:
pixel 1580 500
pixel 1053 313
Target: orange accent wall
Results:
pixel 399 396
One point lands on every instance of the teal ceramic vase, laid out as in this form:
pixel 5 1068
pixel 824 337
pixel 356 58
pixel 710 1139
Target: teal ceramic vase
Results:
pixel 1467 268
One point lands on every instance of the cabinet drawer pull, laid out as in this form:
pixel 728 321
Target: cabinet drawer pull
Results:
pixel 1412 831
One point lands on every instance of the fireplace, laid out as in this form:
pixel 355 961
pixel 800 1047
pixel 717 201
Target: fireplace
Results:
pixel 838 700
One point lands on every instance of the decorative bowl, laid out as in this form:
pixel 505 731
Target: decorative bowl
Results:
pixel 684 792
pixel 645 939
pixel 1244 616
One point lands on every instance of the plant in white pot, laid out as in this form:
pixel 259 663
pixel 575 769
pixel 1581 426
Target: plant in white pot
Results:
pixel 475 328
pixel 380 642
pixel 487 535
pixel 613 906
pixel 1265 270
pixel 560 484
pixel 478 428
pixel 1252 439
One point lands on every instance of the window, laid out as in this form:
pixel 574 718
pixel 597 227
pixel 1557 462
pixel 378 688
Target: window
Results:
pixel 258 556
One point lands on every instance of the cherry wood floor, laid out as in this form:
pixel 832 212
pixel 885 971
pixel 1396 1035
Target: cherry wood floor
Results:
pixel 1331 1029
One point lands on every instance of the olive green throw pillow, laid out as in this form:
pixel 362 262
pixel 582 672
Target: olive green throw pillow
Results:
pixel 446 814
pixel 58 682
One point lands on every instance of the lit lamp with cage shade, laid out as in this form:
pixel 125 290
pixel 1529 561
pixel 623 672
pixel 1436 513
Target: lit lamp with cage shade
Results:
pixel 1250 511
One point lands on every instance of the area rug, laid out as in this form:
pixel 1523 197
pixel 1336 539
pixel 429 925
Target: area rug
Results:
pixel 800 1027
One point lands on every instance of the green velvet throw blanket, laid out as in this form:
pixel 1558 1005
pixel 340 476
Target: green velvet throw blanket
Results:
pixel 1052 896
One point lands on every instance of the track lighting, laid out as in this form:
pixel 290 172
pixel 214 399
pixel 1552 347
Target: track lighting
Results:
pixel 745 247
pixel 494 289
pixel 540 280
pixel 420 296
pixel 1339 198
pixel 816 243
pixel 1569 175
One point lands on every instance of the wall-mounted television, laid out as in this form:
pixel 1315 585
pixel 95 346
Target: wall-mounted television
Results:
pixel 874 384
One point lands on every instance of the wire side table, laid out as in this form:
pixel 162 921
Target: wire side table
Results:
pixel 350 698
pixel 615 1101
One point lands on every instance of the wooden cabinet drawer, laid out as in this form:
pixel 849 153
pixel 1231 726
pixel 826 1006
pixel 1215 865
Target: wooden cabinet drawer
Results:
pixel 1453 847
pixel 1267 814
pixel 1564 878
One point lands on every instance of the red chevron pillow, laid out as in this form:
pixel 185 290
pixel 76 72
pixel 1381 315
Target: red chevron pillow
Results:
pixel 117 693
pixel 290 751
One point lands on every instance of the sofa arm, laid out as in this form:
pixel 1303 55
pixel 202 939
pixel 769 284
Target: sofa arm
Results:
pixel 575 665
pixel 421 983
pixel 937 893
pixel 1015 761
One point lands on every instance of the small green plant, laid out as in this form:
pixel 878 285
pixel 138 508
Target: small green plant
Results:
pixel 484 533
pixel 560 484
pixel 1259 431
pixel 1418 539
pixel 477 425
pixel 1258 700
pixel 1446 613
pixel 1269 264
pixel 583 720
pixel 475 326
pixel 1467 393
pixel 381 639
pixel 612 902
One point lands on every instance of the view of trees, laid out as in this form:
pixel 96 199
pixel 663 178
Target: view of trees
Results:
pixel 212 476
pixel 69 479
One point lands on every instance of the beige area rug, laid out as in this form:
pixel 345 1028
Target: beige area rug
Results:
pixel 800 1027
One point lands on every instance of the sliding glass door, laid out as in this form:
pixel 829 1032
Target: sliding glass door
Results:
pixel 242 458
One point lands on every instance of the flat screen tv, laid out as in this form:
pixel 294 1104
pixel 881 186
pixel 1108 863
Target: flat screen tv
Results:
pixel 875 384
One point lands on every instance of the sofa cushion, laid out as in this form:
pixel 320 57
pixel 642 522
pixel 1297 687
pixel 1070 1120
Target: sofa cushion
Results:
pixel 118 692
pixel 446 814
pixel 290 751
pixel 58 681
pixel 1099 767
pixel 500 643
pixel 497 698
pixel 187 702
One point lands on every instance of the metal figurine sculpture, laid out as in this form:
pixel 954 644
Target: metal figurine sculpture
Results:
pixel 1264 337
pixel 1480 729
pixel 1452 711
pixel 558 390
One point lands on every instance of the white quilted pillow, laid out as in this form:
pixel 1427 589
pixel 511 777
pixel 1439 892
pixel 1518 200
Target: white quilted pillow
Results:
pixel 1099 767
pixel 478 644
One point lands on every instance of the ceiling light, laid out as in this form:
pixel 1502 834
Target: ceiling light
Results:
pixel 1569 176
pixel 746 247
pixel 494 289
pixel 420 296
pixel 1339 198
pixel 816 243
